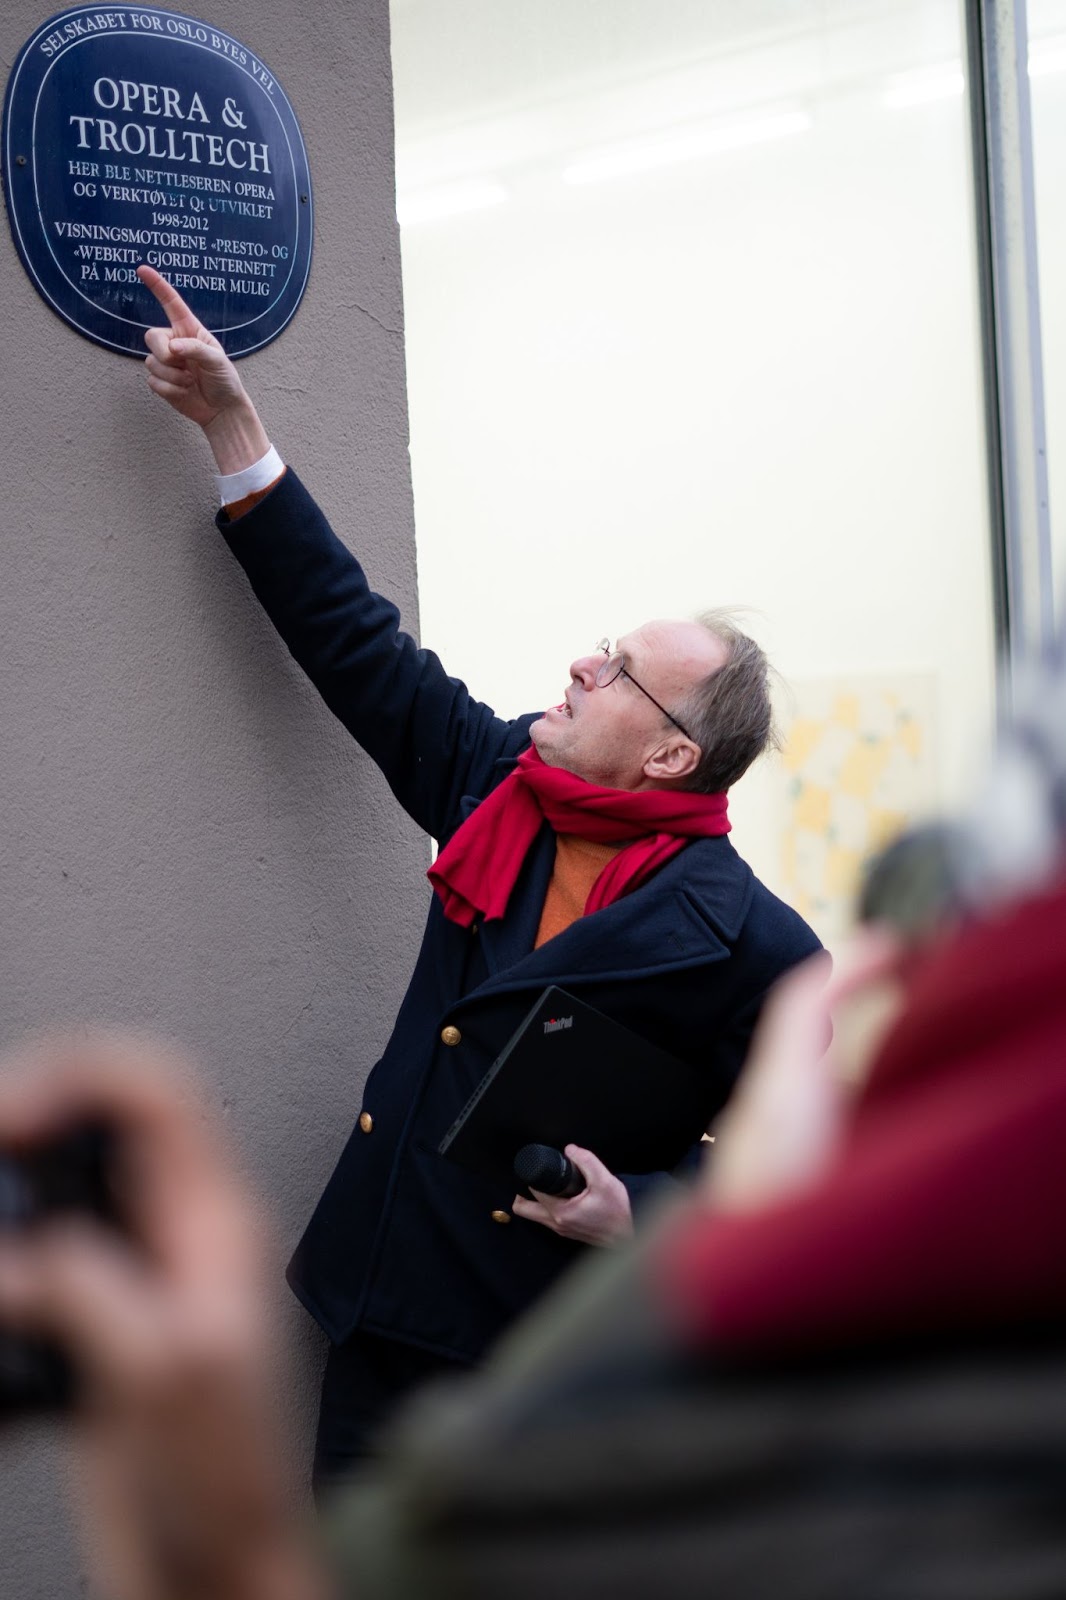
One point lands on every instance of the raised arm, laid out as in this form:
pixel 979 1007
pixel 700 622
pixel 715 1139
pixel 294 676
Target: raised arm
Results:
pixel 433 741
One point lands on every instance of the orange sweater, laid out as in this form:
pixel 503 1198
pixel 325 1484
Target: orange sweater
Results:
pixel 578 863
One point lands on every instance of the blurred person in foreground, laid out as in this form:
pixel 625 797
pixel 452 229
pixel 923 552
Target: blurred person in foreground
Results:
pixel 837 1372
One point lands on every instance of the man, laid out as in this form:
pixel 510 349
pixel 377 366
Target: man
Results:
pixel 584 847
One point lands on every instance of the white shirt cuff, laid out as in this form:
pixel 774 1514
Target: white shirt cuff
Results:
pixel 235 485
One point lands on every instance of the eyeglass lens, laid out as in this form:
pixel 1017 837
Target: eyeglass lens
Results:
pixel 610 667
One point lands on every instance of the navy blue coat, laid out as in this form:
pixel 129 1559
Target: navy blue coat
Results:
pixel 403 1243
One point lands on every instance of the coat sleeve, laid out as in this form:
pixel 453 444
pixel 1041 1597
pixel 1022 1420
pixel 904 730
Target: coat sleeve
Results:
pixel 647 1188
pixel 432 740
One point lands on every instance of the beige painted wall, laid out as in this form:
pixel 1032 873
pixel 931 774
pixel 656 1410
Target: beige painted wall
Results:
pixel 189 841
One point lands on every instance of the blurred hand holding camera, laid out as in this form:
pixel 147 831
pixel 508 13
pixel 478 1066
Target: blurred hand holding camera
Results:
pixel 182 1490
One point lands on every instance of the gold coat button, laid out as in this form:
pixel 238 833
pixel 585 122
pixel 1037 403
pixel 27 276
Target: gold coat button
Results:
pixel 450 1035
pixel 501 1216
pixel 366 1122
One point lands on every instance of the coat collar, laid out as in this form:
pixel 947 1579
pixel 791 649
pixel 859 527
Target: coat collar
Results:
pixel 688 914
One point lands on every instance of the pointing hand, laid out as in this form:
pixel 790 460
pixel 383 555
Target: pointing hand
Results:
pixel 188 368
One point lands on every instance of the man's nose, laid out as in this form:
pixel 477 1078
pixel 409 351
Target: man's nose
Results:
pixel 584 669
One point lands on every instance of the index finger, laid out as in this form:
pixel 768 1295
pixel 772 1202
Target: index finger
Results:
pixel 590 1166
pixel 182 320
pixel 49 1083
pixel 171 1161
pixel 135 1086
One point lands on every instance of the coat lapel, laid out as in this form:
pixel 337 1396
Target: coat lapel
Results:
pixel 688 914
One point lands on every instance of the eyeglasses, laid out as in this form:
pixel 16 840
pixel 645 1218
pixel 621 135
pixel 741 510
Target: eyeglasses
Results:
pixel 615 667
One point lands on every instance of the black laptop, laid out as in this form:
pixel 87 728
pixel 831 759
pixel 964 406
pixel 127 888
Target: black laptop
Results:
pixel 570 1075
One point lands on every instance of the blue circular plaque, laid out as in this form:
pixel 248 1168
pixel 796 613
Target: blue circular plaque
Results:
pixel 137 135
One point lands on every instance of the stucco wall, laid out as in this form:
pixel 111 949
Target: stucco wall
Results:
pixel 189 842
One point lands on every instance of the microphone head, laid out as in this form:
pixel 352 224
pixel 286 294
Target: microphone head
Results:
pixel 541 1166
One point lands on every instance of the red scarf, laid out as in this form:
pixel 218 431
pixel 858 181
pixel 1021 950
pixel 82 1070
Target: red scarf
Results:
pixel 943 1212
pixel 477 870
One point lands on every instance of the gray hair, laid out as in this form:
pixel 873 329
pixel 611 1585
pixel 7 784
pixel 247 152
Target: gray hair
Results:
pixel 729 713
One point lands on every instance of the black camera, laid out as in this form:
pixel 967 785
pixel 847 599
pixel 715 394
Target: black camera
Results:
pixel 72 1175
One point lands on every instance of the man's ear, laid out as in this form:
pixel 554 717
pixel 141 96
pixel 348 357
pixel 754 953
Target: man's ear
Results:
pixel 671 762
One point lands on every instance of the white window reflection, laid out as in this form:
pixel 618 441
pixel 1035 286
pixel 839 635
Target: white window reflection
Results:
pixel 1047 88
pixel 691 320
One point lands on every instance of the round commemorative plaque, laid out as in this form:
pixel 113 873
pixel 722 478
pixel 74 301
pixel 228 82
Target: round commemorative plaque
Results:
pixel 140 135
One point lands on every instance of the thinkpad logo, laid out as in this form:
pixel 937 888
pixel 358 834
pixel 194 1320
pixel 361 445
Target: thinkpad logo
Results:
pixel 557 1024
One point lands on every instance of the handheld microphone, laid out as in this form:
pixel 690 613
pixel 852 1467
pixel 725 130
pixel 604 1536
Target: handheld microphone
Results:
pixel 540 1166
